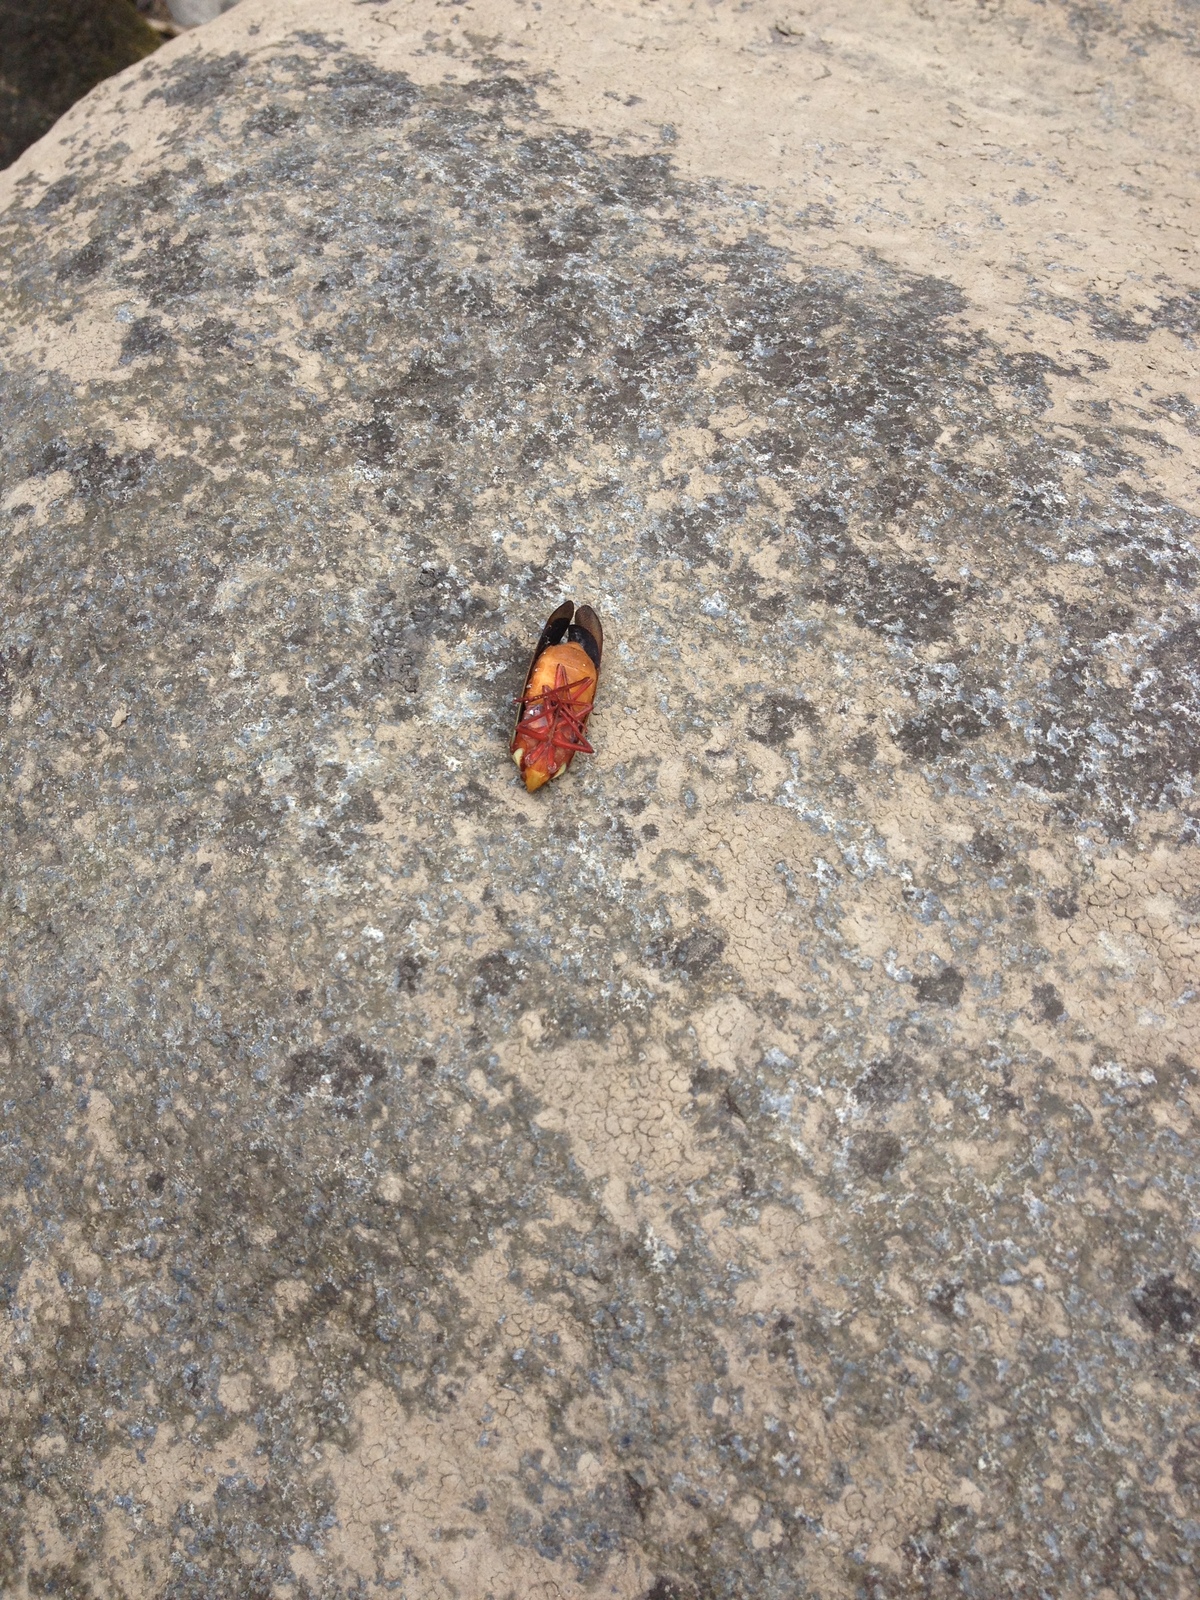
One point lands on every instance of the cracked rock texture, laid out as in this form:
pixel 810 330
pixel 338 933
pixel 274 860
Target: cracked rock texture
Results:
pixel 764 1164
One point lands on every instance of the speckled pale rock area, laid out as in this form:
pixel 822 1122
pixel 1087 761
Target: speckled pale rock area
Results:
pixel 763 1164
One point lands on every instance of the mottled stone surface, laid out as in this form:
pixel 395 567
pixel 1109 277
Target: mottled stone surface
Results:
pixel 764 1164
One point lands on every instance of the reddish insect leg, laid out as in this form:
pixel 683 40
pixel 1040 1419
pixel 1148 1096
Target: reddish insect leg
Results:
pixel 551 728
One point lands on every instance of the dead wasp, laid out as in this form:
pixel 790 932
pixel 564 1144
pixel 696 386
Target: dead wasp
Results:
pixel 556 701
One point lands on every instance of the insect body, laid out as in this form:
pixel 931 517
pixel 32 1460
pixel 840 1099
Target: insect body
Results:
pixel 556 702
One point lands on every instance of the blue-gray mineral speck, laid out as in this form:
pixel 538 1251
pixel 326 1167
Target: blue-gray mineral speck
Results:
pixel 762 1164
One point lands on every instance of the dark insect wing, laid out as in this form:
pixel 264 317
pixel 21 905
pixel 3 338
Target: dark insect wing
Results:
pixel 555 630
pixel 556 627
pixel 586 631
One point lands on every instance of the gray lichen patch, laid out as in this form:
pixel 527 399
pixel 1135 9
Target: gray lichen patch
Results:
pixel 763 1165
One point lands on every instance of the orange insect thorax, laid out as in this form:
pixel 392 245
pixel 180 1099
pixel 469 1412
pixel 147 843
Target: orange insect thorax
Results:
pixel 554 713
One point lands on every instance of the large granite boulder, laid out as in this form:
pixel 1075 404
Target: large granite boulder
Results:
pixel 763 1163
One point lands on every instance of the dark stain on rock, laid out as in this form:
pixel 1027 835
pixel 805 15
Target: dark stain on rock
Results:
pixel 1110 320
pixel 777 718
pixel 948 1300
pixel 898 598
pixel 694 954
pixel 1063 903
pixel 362 95
pixel 214 337
pixel 363 808
pixel 941 988
pixel 251 820
pixel 939 733
pixel 667 1588
pixel 1047 1003
pixel 885 1080
pixel 693 533
pixel 199 79
pixel 16 664
pixel 1185 1471
pixel 272 120
pixel 639 1490
pixel 874 1153
pixel 408 973
pixel 86 263
pixel 171 269
pixel 496 976
pixel 146 337
pixel 986 848
pixel 1166 1306
pixel 428 394
pixel 100 473
pixel 344 1067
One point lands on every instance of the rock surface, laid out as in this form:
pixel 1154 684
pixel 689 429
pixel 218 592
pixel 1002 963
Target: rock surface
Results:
pixel 765 1164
